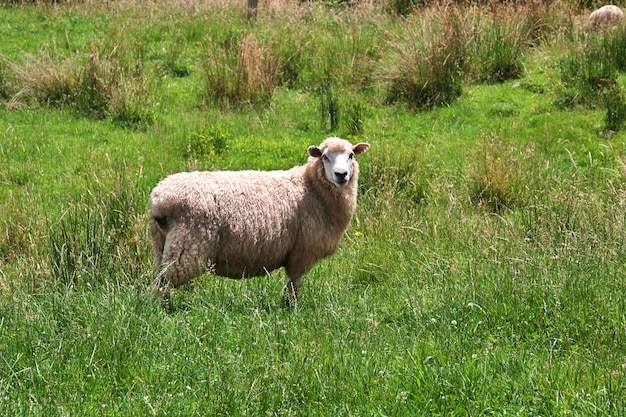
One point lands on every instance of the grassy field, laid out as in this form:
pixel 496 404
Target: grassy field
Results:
pixel 483 272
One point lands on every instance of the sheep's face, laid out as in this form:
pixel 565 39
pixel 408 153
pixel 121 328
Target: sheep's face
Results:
pixel 338 158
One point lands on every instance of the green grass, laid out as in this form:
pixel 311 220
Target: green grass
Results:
pixel 482 274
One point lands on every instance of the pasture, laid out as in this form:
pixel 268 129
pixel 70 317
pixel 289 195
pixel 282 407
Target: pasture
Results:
pixel 484 271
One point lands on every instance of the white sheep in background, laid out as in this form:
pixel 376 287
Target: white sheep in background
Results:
pixel 241 224
pixel 606 16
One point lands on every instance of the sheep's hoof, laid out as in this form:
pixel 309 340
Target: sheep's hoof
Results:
pixel 290 295
pixel 290 300
pixel 161 293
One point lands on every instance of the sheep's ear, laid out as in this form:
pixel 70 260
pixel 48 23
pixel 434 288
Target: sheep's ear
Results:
pixel 315 152
pixel 360 148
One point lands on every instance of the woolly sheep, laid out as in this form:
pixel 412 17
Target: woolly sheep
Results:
pixel 606 16
pixel 241 224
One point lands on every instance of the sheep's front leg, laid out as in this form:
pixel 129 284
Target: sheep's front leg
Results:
pixel 290 291
pixel 296 268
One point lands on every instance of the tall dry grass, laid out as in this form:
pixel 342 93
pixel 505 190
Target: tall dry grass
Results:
pixel 501 39
pixel 496 175
pixel 244 71
pixel 101 85
pixel 427 58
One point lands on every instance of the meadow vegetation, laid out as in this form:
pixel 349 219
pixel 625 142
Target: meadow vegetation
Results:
pixel 483 273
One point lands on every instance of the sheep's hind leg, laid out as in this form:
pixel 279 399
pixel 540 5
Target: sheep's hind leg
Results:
pixel 161 285
pixel 172 273
pixel 160 289
pixel 185 256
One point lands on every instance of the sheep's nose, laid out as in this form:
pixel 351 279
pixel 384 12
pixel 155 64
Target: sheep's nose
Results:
pixel 341 176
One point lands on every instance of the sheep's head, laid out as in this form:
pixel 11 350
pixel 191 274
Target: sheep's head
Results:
pixel 338 158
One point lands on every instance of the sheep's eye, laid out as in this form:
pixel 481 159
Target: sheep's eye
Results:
pixel 325 157
pixel 351 156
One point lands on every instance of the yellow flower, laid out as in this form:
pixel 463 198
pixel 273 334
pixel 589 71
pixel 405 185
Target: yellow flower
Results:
pixel 358 234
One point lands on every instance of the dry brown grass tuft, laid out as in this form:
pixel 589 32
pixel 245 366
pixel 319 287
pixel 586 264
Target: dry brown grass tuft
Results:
pixel 240 72
pixel 41 79
pixel 427 59
pixel 496 175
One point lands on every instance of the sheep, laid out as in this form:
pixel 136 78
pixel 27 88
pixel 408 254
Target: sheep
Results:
pixel 241 224
pixel 605 16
